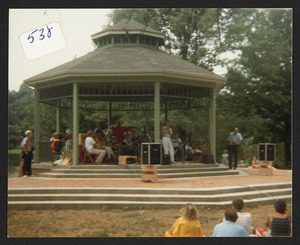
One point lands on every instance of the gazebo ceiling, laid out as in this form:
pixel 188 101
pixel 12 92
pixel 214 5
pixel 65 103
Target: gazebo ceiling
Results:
pixel 138 95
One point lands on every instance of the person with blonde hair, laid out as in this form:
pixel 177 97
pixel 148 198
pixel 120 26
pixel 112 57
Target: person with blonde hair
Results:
pixel 187 225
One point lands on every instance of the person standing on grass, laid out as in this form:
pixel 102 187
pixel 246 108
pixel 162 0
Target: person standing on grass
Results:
pixel 229 228
pixel 234 140
pixel 187 225
pixel 27 149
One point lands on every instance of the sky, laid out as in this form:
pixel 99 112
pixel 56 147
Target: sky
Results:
pixel 77 26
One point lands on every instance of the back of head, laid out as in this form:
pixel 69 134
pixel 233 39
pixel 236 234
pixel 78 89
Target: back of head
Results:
pixel 231 215
pixel 280 206
pixel 238 204
pixel 190 211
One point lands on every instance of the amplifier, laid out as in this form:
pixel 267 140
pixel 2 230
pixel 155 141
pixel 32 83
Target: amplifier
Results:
pixel 151 153
pixel 266 152
pixel 123 160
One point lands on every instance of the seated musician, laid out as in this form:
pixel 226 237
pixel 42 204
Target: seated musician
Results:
pixel 178 147
pixel 56 142
pixel 198 149
pixel 207 156
pixel 129 147
pixel 92 147
pixel 102 145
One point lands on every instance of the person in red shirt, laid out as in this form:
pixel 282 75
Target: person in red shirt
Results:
pixel 119 131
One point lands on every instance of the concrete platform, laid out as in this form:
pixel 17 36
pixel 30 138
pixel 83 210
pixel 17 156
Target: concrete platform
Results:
pixel 80 193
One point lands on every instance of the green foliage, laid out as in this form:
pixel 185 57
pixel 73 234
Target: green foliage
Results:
pixel 257 95
pixel 17 102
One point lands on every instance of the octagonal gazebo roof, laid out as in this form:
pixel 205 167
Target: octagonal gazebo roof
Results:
pixel 128 60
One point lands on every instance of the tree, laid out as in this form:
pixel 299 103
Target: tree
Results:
pixel 188 32
pixel 261 82
pixel 257 95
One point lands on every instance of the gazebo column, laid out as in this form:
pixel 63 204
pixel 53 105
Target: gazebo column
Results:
pixel 156 112
pixel 58 115
pixel 36 125
pixel 75 158
pixel 212 122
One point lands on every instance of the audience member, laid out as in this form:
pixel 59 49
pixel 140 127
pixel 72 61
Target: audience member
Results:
pixel 178 147
pixel 187 225
pixel 119 131
pixel 280 222
pixel 166 134
pixel 91 146
pixel 229 228
pixel 263 232
pixel 130 148
pixel 27 149
pixel 98 129
pixel 244 219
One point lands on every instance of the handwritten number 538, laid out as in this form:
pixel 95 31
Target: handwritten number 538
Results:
pixel 41 36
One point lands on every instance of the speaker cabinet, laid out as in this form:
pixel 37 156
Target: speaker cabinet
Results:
pixel 151 153
pixel 266 152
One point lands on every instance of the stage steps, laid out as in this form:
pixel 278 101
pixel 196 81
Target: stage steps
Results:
pixel 136 198
pixel 135 170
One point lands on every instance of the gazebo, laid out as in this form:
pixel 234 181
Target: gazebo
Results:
pixel 126 71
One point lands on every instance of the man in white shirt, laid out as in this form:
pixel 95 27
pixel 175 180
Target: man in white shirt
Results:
pixel 166 134
pixel 244 219
pixel 90 146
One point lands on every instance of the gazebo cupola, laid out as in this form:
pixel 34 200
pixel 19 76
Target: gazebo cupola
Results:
pixel 128 32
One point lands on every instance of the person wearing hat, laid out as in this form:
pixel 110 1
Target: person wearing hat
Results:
pixel 54 142
pixel 27 149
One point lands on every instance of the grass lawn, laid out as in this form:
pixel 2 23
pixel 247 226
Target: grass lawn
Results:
pixel 114 222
